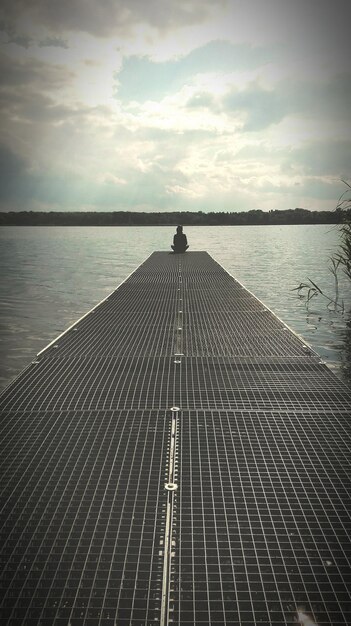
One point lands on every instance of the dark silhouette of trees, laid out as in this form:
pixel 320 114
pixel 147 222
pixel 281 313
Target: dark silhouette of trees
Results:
pixel 187 218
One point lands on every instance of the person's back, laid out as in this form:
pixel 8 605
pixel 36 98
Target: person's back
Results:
pixel 180 243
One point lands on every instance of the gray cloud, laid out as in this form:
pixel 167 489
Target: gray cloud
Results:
pixel 22 188
pixel 29 71
pixel 108 17
pixel 47 145
pixel 29 107
pixel 324 99
pixel 12 170
pixel 53 42
pixel 31 114
pixel 320 158
pixel 142 79
pixel 13 36
pixel 330 158
pixel 262 107
pixel 26 41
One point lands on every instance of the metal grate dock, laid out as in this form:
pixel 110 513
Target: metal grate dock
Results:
pixel 177 457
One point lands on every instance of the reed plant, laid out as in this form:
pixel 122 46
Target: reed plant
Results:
pixel 343 255
pixel 339 261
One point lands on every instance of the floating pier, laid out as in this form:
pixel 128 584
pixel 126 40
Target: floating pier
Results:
pixel 178 456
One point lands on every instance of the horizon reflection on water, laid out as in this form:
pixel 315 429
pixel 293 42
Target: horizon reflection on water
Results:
pixel 51 276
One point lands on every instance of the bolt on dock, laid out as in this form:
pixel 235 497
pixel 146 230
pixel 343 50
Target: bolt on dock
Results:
pixel 178 456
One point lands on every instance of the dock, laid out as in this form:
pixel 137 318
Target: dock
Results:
pixel 178 456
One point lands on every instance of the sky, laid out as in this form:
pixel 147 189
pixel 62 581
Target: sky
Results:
pixel 168 105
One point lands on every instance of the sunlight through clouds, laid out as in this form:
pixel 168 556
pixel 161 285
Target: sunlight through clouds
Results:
pixel 232 107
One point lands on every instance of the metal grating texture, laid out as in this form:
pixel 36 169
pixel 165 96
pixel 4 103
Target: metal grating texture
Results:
pixel 145 383
pixel 263 519
pixel 84 523
pixel 178 456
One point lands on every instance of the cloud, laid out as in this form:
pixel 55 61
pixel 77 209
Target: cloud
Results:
pixel 316 192
pixel 162 187
pixel 257 105
pixel 37 121
pixel 31 104
pixel 26 189
pixel 320 158
pixel 262 107
pixel 12 169
pixel 17 72
pixel 218 125
pixel 329 99
pixel 142 79
pixel 111 17
pixel 323 158
pixel 13 36
pixel 53 42
pixel 202 99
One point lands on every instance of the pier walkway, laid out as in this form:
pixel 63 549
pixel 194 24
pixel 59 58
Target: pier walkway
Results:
pixel 178 456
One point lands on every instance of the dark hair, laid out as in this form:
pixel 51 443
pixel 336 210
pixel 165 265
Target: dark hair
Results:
pixel 179 229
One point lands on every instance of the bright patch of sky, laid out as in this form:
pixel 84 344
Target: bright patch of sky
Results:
pixel 142 79
pixel 187 104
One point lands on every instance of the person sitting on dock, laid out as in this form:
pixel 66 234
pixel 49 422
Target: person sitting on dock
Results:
pixel 180 242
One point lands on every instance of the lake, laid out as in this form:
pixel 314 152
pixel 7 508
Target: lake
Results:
pixel 51 276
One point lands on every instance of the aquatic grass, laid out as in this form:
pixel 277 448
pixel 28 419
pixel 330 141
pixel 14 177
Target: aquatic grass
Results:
pixel 310 290
pixel 341 259
pixel 343 256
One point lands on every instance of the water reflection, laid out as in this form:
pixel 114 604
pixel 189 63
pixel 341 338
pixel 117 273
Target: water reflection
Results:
pixel 330 334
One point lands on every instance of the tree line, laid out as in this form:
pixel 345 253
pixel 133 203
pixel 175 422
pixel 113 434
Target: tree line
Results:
pixel 186 218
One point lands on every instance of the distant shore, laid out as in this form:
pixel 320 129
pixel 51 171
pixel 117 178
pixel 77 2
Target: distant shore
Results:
pixel 186 218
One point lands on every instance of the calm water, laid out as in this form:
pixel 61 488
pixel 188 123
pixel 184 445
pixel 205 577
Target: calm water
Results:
pixel 52 276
